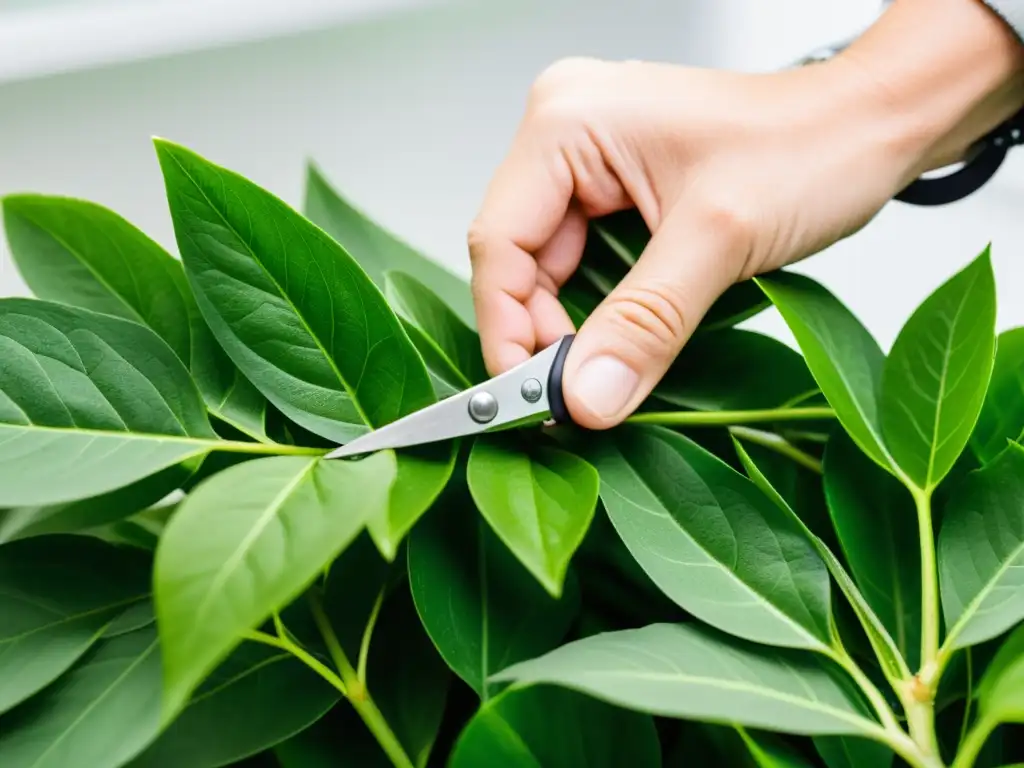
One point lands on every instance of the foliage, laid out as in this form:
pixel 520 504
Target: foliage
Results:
pixel 785 558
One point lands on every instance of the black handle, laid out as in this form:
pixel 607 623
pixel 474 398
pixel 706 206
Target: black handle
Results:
pixel 559 413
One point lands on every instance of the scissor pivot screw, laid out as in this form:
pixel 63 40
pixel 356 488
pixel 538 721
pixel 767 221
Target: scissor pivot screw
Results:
pixel 531 390
pixel 483 407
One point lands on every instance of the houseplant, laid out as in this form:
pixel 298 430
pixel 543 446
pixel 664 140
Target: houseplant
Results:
pixel 820 566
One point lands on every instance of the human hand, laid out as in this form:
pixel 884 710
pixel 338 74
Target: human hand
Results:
pixel 734 174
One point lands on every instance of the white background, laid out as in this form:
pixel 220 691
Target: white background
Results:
pixel 408 106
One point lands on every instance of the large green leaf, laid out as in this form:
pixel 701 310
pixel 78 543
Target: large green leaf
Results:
pixel 445 340
pixel 257 698
pixel 79 253
pixel 1002 414
pixel 726 370
pixel 97 511
pixel 294 311
pixel 875 519
pixel 279 521
pixel 981 552
pixel 58 594
pixel 881 642
pixel 937 373
pixel 91 399
pixel 1001 695
pixel 843 357
pixel 378 250
pixel 480 607
pixel 100 714
pixel 692 671
pixel 539 501
pixel 546 727
pixel 367 597
pixel 711 540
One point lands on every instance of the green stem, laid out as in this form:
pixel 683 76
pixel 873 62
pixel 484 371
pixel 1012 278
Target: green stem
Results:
pixel 779 445
pixel 727 418
pixel 364 646
pixel 970 698
pixel 921 720
pixel 929 590
pixel 974 742
pixel 286 645
pixel 271 449
pixel 358 694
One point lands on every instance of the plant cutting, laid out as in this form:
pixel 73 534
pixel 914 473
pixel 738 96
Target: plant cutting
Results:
pixel 783 558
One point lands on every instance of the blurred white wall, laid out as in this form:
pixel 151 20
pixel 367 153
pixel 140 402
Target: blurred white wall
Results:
pixel 408 111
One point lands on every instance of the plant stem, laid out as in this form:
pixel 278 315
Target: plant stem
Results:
pixel 779 445
pixel 929 590
pixel 974 742
pixel 270 449
pixel 881 706
pixel 921 719
pixel 358 694
pixel 299 653
pixel 727 418
pixel 970 697
pixel 364 646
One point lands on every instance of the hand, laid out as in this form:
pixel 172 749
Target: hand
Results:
pixel 734 174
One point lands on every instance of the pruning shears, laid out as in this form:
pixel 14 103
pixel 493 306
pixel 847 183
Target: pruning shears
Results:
pixel 529 393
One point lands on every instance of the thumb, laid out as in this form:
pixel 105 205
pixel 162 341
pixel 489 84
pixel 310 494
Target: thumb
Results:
pixel 628 343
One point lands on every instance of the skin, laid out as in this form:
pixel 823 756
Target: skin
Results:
pixel 735 175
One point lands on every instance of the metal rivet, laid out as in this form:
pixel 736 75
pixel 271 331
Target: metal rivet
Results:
pixel 531 390
pixel 483 407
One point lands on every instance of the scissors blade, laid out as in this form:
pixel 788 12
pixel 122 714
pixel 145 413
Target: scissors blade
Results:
pixel 452 417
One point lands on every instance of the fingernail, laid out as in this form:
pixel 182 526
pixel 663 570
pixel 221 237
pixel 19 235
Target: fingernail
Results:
pixel 605 385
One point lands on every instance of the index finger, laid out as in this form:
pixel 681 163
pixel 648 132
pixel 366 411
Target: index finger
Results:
pixel 525 204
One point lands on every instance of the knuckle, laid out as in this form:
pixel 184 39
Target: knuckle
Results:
pixel 477 239
pixel 728 218
pixel 563 73
pixel 652 318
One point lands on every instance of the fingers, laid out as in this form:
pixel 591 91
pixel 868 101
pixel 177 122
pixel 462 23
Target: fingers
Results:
pixel 631 339
pixel 524 213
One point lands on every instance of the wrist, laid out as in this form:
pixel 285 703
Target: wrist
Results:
pixel 934 77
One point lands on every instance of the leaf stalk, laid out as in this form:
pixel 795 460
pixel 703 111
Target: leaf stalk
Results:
pixel 729 418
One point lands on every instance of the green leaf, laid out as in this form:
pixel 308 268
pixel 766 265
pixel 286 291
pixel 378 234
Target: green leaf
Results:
pixel 279 522
pixel 539 501
pixel 711 540
pixel 94 400
pixel 847 752
pixel 450 342
pixel 981 552
pixel 692 671
pixel 378 250
pixel 294 311
pixel 883 645
pixel 937 373
pixel 422 473
pixel 725 370
pixel 876 521
pixel 480 607
pixel 58 594
pixel 100 510
pixel 256 699
pixel 547 727
pixel 100 714
pixel 1002 414
pixel 843 357
pixel 81 254
pixel 399 647
pixel 1001 695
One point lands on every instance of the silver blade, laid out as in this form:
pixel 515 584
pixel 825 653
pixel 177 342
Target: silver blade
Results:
pixel 451 417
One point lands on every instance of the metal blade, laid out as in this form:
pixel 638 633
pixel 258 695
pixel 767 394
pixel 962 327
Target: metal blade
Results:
pixel 451 418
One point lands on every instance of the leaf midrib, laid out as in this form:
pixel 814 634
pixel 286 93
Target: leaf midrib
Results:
pixel 302 319
pixel 196 441
pixel 972 607
pixel 69 618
